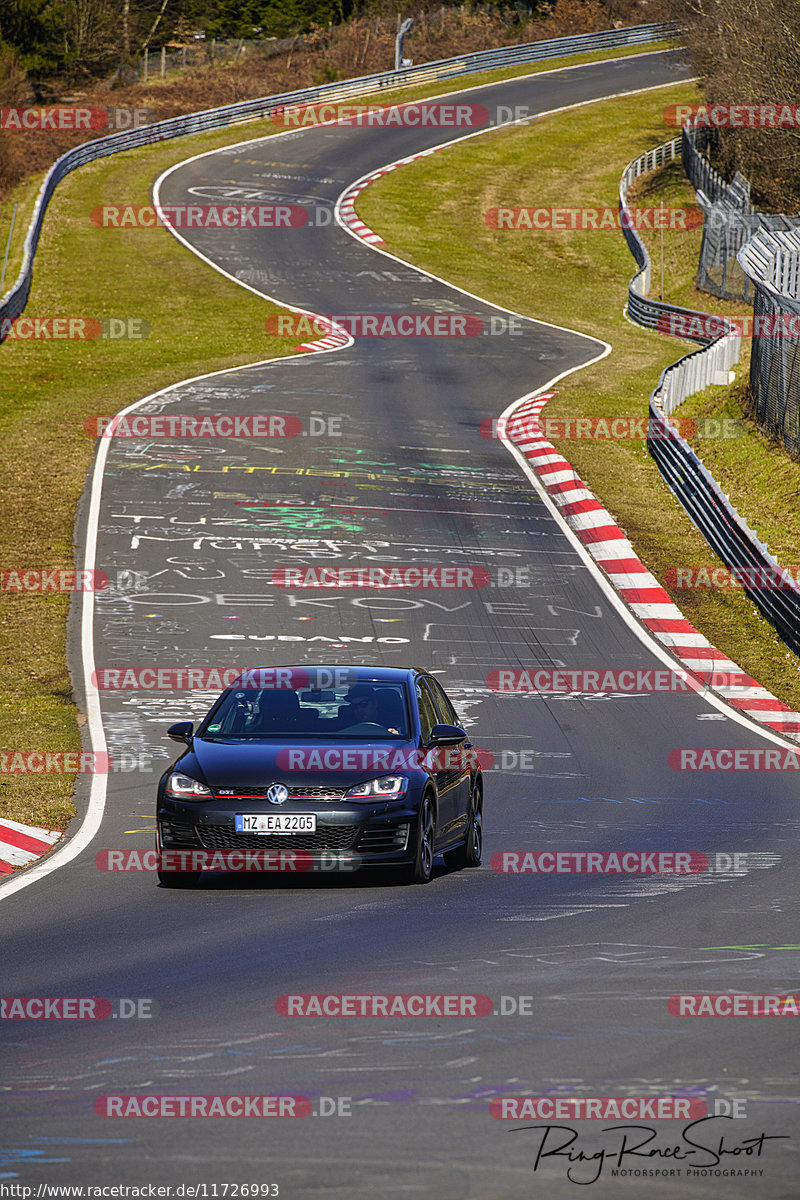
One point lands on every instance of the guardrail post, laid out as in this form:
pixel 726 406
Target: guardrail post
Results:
pixel 398 43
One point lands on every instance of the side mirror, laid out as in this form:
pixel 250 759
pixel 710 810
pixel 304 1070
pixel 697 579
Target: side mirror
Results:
pixel 182 732
pixel 446 735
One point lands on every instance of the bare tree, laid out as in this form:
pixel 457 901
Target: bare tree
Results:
pixel 751 56
pixel 155 24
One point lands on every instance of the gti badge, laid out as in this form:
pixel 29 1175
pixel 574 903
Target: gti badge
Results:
pixel 278 794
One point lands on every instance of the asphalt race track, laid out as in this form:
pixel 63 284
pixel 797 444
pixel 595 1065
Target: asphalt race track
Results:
pixel 390 467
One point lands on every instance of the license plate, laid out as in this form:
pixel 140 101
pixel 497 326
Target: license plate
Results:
pixel 276 823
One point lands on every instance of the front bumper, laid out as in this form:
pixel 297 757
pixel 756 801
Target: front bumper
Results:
pixel 347 835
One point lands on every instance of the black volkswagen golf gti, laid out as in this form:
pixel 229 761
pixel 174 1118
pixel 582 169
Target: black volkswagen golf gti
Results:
pixel 322 768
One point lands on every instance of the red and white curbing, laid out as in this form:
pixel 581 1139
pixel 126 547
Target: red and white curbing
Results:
pixel 331 341
pixel 654 607
pixel 335 338
pixel 22 844
pixel 346 208
pixel 351 219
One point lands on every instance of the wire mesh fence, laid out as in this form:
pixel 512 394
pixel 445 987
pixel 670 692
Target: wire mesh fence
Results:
pixel 730 221
pixel 202 54
pixel 771 260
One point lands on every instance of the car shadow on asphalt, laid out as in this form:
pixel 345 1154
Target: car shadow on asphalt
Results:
pixel 259 881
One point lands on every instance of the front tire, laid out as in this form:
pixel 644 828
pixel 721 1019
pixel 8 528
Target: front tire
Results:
pixel 422 869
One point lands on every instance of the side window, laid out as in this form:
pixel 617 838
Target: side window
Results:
pixel 428 716
pixel 448 715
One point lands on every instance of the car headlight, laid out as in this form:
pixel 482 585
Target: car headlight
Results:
pixel 185 788
pixel 388 787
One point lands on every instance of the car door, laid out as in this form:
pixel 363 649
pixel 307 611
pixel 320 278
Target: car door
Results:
pixel 441 758
pixel 428 717
pixel 457 774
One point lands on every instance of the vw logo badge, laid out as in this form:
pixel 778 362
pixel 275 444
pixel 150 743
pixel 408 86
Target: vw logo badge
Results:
pixel 278 794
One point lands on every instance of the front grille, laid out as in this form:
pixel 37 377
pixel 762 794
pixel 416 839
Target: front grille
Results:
pixel 327 837
pixel 382 839
pixel 295 793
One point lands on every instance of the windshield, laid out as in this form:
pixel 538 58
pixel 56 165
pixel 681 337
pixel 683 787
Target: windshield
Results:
pixel 360 710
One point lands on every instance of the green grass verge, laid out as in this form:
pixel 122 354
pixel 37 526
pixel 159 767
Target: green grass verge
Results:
pixel 433 213
pixel 198 322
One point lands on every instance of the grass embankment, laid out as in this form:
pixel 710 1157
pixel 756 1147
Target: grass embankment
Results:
pixel 198 322
pixel 579 279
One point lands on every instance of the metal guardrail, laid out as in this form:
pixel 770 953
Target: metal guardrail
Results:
pixel 14 301
pixel 641 310
pixel 717 355
pixel 701 496
pixel 726 532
